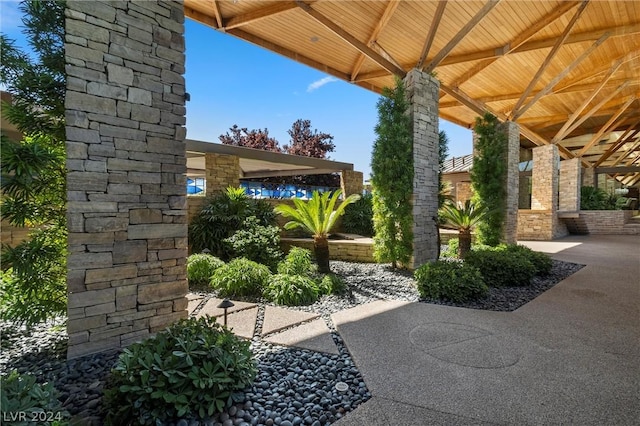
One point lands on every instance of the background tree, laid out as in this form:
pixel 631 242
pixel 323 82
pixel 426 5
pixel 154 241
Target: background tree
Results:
pixel 308 143
pixel 33 170
pixel 257 139
pixel 488 177
pixel 443 153
pixel 392 178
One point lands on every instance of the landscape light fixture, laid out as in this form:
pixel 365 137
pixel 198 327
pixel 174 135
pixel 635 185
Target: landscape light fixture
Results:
pixel 226 304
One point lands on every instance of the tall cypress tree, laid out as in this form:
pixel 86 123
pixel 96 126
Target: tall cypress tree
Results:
pixel 392 178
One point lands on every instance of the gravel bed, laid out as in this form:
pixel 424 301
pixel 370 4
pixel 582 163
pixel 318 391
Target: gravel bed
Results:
pixel 293 386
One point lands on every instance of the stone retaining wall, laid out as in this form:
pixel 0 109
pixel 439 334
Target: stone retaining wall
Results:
pixel 612 222
pixel 12 235
pixel 540 225
pixel 347 250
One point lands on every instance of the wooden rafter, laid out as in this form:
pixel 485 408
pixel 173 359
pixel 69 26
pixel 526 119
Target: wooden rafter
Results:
pixel 607 127
pixel 216 12
pixel 560 76
pixel 354 42
pixel 435 61
pixel 382 22
pixel 568 86
pixel 517 41
pixel 207 20
pixel 259 14
pixel 547 61
pixel 625 138
pixel 433 29
pixel 381 51
pixel 626 153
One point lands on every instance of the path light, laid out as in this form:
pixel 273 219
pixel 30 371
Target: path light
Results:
pixel 206 251
pixel 342 387
pixel 226 304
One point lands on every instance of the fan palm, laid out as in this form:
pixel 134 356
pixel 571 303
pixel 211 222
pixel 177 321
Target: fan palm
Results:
pixel 317 216
pixel 463 217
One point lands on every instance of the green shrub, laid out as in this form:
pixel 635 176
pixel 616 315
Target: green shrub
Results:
pixel 256 242
pixel 21 394
pixel 452 249
pixel 240 277
pixel 358 217
pixel 332 284
pixel 541 261
pixel 298 262
pixel 501 268
pixel 192 368
pixel 291 290
pixel 221 216
pixel 450 280
pixel 200 268
pixel 592 198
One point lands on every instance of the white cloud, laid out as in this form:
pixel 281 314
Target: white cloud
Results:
pixel 319 83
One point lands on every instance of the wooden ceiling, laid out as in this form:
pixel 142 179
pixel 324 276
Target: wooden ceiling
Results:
pixel 567 71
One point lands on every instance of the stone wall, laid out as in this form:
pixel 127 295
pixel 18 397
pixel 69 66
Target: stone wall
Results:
pixel 221 172
pixel 125 116
pixel 570 185
pixel 13 235
pixel 423 95
pixel 540 225
pixel 348 250
pixel 611 222
pixel 513 182
pixel 589 176
pixel 464 192
pixel 351 182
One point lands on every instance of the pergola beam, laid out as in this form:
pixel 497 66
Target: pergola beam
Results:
pixel 439 57
pixel 348 38
pixel 626 153
pixel 259 14
pixel 625 138
pixel 607 126
pixel 433 29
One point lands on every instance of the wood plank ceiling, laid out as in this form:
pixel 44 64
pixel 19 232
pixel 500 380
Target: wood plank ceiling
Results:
pixel 568 72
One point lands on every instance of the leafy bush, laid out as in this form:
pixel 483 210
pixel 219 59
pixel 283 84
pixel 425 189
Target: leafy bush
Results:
pixel 502 268
pixel 291 290
pixel 452 249
pixel 541 261
pixel 297 262
pixel 221 216
pixel 592 198
pixel 192 368
pixel 358 217
pixel 450 280
pixel 240 277
pixel 200 268
pixel 21 394
pixel 332 284
pixel 256 242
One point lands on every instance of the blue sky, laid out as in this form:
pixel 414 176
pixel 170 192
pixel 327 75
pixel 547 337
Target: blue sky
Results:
pixel 233 82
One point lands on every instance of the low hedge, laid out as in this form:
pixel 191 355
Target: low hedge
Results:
pixel 450 280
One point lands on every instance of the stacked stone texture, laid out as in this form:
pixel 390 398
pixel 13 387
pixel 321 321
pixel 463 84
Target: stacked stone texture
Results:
pixel 351 182
pixel 570 185
pixel 610 222
pixel 13 235
pixel 348 250
pixel 589 176
pixel 510 232
pixel 423 95
pixel 222 171
pixel 125 116
pixel 464 191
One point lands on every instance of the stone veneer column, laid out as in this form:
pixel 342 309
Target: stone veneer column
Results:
pixel 570 184
pixel 351 182
pixel 126 184
pixel 589 177
pixel 423 95
pixel 222 171
pixel 510 232
pixel 544 177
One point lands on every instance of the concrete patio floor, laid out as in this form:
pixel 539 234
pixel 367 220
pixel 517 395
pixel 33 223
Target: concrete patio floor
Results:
pixel 571 356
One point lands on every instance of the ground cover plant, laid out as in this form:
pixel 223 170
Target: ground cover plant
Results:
pixel 200 269
pixel 241 278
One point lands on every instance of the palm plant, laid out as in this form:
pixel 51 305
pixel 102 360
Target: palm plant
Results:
pixel 317 216
pixel 463 217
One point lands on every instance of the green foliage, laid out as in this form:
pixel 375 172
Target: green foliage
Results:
pixel 240 277
pixel 392 178
pixel 34 285
pixel 450 280
pixel 488 177
pixel 592 198
pixel 540 261
pixel 291 290
pixel 502 268
pixel 200 268
pixel 256 242
pixel 191 369
pixel 358 217
pixel 463 217
pixel 451 251
pixel 221 216
pixel 332 284
pixel 297 262
pixel 443 152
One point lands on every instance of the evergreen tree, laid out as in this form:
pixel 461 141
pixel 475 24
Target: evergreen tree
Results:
pixel 33 170
pixel 392 178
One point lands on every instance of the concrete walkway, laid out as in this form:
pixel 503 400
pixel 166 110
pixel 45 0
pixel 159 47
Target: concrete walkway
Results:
pixel 571 356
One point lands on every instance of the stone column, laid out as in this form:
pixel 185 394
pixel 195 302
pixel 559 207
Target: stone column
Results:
pixel 570 185
pixel 423 95
pixel 512 183
pixel 351 182
pixel 544 176
pixel 222 171
pixel 589 177
pixel 126 184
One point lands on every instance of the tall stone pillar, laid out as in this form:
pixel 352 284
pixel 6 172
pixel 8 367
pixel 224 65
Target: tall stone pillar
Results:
pixel 423 95
pixel 126 185
pixel 510 232
pixel 589 177
pixel 544 176
pixel 222 171
pixel 351 182
pixel 570 185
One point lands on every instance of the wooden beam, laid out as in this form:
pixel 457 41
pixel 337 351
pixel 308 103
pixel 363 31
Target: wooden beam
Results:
pixel 626 153
pixel 357 44
pixel 382 22
pixel 626 137
pixel 547 61
pixel 560 76
pixel 568 85
pixel 259 14
pixel 201 17
pixel 482 13
pixel 625 169
pixel 606 126
pixel 431 35
pixel 381 51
